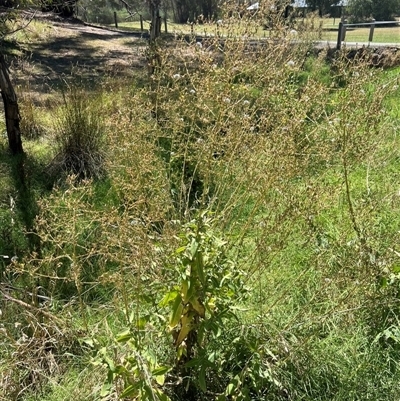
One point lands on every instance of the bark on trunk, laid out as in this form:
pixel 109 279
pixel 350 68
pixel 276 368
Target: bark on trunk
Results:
pixel 155 28
pixel 11 109
pixel 155 32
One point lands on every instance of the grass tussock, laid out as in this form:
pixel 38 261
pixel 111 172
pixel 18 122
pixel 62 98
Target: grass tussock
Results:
pixel 79 137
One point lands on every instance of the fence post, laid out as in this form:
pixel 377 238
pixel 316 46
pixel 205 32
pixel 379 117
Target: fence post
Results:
pixel 344 30
pixel 371 31
pixel 165 24
pixel 115 19
pixel 141 23
pixel 339 36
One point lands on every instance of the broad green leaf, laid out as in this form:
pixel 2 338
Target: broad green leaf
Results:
pixel 149 391
pixel 181 249
pixel 141 323
pixel 383 282
pixel 162 396
pixel 105 389
pixel 168 297
pixel 198 307
pixel 233 385
pixel 200 267
pixel 230 388
pixel 120 369
pixel 396 269
pixel 161 370
pixel 88 341
pixel 150 356
pixel 192 287
pixel 176 312
pixel 185 329
pixel 124 336
pixel 202 379
pixel 160 379
pixel 185 288
pixel 109 362
pixel 130 390
pixel 193 248
pixel 180 352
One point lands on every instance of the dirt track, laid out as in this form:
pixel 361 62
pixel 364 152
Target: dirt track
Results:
pixel 65 50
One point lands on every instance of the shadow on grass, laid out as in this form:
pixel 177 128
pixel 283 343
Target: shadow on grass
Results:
pixel 28 180
pixel 89 55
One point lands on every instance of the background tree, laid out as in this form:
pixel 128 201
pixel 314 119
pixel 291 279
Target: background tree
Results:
pixel 155 25
pixel 188 10
pixel 322 6
pixel 64 8
pixel 381 10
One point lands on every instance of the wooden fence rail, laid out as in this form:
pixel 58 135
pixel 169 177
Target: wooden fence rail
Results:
pixel 343 27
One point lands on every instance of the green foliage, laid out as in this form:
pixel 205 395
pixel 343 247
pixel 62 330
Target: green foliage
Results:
pixel 380 10
pixel 207 286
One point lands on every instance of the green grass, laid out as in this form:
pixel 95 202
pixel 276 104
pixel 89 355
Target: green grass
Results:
pixel 381 35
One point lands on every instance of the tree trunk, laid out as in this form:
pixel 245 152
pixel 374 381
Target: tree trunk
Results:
pixel 11 109
pixel 155 26
pixel 155 32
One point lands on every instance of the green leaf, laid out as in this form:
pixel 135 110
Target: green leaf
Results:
pixel 233 385
pixel 180 249
pixel 160 379
pixel 176 312
pixel 88 341
pixel 161 370
pixel 184 290
pixel 202 379
pixel 168 297
pixel 120 369
pixel 230 388
pixel 198 307
pixel 141 323
pixel 105 389
pixel 396 269
pixel 130 390
pixel 186 327
pixel 162 396
pixel 149 391
pixel 109 362
pixel 124 336
pixel 193 248
pixel 200 267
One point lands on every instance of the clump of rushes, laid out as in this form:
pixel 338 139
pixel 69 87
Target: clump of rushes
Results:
pixel 80 137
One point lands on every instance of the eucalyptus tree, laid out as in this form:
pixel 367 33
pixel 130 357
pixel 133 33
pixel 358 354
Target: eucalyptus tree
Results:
pixel 155 25
pixel 185 10
pixel 381 10
pixel 322 6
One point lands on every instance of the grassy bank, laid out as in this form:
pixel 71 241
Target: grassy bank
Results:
pixel 226 229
